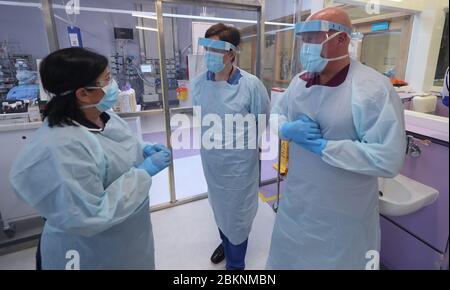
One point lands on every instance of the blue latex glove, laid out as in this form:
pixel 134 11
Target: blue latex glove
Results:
pixel 315 146
pixel 156 162
pixel 152 149
pixel 301 131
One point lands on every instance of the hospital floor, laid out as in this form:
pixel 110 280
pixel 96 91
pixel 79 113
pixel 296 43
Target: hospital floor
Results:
pixel 183 243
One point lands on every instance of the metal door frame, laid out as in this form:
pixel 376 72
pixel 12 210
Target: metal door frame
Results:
pixel 252 5
pixel 247 5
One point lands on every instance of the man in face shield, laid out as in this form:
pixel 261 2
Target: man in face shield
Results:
pixel 345 125
pixel 231 171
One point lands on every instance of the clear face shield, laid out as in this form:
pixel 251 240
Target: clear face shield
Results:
pixel 213 55
pixel 104 84
pixel 313 40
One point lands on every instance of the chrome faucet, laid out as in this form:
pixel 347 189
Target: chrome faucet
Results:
pixel 412 148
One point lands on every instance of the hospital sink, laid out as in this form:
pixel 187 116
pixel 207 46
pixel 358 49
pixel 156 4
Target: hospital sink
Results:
pixel 401 195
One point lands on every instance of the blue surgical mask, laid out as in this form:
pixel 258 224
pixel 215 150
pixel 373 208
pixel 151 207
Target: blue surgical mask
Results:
pixel 109 99
pixel 311 59
pixel 214 61
pixel 311 56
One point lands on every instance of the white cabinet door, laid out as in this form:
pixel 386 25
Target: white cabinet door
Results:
pixel 11 207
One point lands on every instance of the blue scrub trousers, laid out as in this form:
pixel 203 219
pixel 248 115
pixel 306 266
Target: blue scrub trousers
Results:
pixel 234 254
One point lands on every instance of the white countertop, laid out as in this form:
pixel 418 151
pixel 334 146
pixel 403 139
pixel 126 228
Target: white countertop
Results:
pixel 20 126
pixel 424 124
pixel 436 127
pixel 406 95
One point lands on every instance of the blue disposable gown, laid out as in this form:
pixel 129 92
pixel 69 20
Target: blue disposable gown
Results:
pixel 94 199
pixel 232 175
pixel 328 216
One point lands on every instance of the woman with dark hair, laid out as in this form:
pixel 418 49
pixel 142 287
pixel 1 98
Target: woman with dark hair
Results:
pixel 232 175
pixel 86 173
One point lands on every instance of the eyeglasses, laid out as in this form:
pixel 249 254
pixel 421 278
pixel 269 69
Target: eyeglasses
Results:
pixel 101 83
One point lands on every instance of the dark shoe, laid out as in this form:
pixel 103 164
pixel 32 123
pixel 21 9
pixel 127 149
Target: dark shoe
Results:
pixel 218 255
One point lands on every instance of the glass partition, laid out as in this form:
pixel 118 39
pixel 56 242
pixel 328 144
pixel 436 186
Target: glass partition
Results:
pixel 408 44
pixel 442 64
pixel 23 42
pixel 183 25
pixel 126 32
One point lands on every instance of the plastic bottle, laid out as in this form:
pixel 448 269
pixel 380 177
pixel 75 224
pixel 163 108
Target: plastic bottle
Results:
pixel 5 107
pixel 19 106
pixel 127 100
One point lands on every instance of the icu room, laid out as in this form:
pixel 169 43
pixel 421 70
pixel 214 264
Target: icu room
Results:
pixel 224 135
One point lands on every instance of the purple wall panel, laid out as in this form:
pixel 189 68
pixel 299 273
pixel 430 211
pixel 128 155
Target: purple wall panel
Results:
pixel 400 250
pixel 431 168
